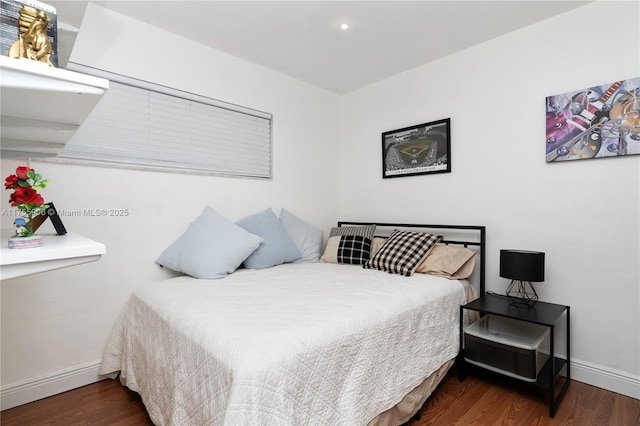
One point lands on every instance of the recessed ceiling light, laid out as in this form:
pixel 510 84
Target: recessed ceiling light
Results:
pixel 344 27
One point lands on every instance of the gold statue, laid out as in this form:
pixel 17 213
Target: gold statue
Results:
pixel 33 42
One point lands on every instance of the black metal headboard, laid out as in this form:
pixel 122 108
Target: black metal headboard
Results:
pixel 475 237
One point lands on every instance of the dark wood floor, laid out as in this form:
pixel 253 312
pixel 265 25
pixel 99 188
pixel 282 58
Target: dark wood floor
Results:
pixel 478 400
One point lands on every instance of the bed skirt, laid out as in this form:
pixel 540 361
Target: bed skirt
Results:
pixel 413 401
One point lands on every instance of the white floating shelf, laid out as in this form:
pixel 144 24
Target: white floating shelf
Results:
pixel 57 251
pixel 43 106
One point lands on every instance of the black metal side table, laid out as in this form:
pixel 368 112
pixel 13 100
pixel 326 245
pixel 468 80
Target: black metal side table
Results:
pixel 542 313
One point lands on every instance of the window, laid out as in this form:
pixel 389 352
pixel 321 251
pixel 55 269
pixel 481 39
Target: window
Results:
pixel 143 125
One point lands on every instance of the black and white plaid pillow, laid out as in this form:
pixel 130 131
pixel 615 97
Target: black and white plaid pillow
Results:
pixel 402 252
pixel 354 249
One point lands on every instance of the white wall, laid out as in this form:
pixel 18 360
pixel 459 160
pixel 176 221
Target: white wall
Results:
pixel 55 324
pixel 584 214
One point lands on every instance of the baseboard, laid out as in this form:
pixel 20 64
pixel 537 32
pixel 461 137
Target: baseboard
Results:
pixel 51 384
pixel 606 378
pixel 85 374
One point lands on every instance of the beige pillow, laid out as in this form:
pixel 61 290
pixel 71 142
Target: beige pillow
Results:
pixel 377 243
pixel 449 261
pixel 330 254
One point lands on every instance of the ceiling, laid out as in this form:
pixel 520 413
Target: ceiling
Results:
pixel 302 39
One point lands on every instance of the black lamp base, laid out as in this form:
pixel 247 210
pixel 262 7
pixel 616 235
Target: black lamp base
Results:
pixel 522 294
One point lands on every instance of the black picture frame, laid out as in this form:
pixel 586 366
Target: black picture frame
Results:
pixel 417 150
pixel 52 214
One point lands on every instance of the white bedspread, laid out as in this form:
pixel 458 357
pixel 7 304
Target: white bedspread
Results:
pixel 316 344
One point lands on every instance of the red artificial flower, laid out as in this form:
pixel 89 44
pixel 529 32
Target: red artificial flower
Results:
pixel 27 196
pixel 22 171
pixel 11 182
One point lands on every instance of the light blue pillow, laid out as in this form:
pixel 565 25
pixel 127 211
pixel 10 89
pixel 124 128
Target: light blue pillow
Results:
pixel 307 237
pixel 276 248
pixel 212 247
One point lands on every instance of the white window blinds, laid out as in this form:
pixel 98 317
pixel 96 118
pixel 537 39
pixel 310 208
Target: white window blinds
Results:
pixel 138 124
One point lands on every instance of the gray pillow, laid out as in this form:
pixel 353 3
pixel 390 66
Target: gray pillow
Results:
pixel 212 247
pixel 276 248
pixel 307 237
pixel 367 231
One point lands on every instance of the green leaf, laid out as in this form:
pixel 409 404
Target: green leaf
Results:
pixel 31 174
pixel 23 183
pixel 38 186
pixel 36 177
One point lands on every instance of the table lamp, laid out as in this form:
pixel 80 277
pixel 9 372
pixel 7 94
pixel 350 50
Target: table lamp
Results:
pixel 522 267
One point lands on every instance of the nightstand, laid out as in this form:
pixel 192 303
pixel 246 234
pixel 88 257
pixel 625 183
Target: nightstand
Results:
pixel 543 315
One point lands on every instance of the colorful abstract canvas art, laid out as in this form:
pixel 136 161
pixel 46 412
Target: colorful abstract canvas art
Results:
pixel 596 122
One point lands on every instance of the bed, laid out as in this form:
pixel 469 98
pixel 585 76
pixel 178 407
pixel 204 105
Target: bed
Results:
pixel 324 343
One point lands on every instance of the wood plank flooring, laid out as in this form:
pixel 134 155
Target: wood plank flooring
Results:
pixel 479 400
pixel 487 399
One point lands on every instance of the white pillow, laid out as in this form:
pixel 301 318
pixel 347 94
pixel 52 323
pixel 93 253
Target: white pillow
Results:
pixel 276 248
pixel 307 237
pixel 212 247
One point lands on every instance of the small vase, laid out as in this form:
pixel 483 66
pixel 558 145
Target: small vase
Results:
pixel 25 242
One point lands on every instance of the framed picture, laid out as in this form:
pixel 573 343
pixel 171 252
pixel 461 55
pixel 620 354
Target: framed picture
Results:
pixel 52 213
pixel 594 122
pixel 417 150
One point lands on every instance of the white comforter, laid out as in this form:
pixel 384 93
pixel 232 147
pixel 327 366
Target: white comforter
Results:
pixel 316 344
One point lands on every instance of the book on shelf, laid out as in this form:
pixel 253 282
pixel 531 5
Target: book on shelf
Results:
pixel 13 16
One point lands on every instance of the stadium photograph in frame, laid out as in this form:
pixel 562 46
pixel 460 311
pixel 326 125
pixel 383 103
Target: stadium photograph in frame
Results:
pixel 417 150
